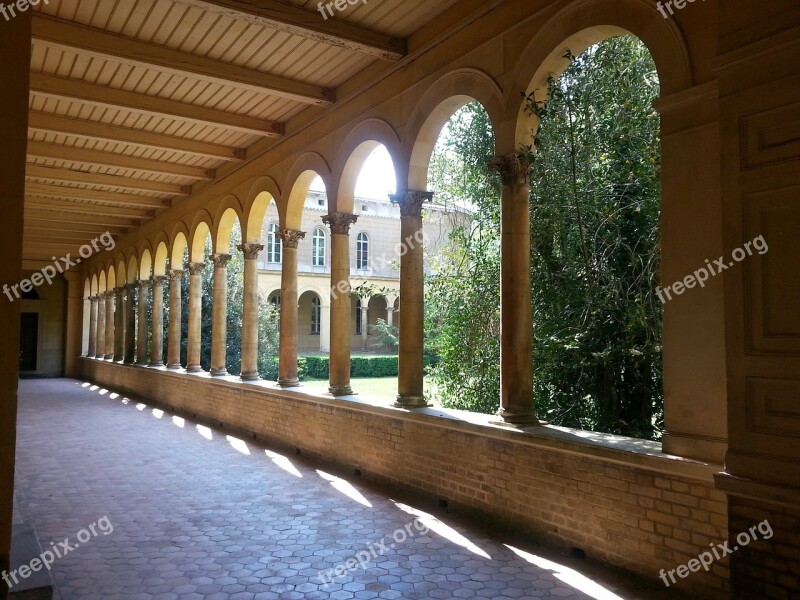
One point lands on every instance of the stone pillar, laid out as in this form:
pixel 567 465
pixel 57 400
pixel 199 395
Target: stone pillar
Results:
pixel 287 365
pixel 100 341
pixel 390 315
pixel 15 48
pixel 325 328
pixel 130 323
pixel 195 317
pixel 219 325
pixel 141 340
pixel 411 374
pixel 73 334
pixel 364 323
pixel 340 302
pixel 516 323
pixel 250 311
pixel 119 324
pixel 157 337
pixel 111 297
pixel 92 327
pixel 175 315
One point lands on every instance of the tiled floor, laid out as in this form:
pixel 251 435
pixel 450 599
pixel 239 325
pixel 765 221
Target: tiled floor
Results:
pixel 197 514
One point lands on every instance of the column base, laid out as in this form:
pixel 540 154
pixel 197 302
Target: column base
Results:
pixel 290 383
pixel 410 401
pixel 143 363
pixel 129 362
pixel 251 376
pixel 174 366
pixel 341 390
pixel 156 363
pixel 109 357
pixel 219 372
pixel 194 369
pixel 518 419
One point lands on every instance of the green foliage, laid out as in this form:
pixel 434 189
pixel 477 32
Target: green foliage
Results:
pixel 595 251
pixel 387 335
pixel 316 367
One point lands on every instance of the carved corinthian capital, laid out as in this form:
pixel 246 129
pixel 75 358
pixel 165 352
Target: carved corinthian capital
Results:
pixel 291 237
pixel 195 268
pixel 250 251
pixel 220 260
pixel 411 202
pixel 513 169
pixel 340 222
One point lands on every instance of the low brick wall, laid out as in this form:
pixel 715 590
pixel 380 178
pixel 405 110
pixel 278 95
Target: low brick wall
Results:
pixel 632 507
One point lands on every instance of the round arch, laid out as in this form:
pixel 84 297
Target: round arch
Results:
pixel 199 231
pixel 579 26
pixel 359 144
pixel 178 244
pixel 450 93
pixel 111 278
pixel 160 255
pixel 133 268
pixel 264 191
pixel 146 264
pixel 94 289
pixel 101 282
pixel 228 214
pixel 122 272
pixel 303 172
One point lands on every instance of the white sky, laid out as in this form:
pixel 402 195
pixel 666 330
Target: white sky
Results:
pixel 377 179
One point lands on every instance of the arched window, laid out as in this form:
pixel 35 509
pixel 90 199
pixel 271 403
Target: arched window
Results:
pixel 362 251
pixel 359 323
pixel 318 248
pixel 316 315
pixel 274 245
pixel 275 300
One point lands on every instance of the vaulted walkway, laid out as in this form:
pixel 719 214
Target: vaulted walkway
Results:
pixel 199 514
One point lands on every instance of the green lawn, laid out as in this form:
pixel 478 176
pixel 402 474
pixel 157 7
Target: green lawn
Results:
pixel 375 387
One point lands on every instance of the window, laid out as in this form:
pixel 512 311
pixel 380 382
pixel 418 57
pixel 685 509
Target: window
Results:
pixel 318 248
pixel 359 323
pixel 276 301
pixel 362 251
pixel 316 315
pixel 274 245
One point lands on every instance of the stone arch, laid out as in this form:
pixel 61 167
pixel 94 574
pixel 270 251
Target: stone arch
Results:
pixel 580 25
pixel 303 171
pixel 146 264
pixel 199 231
pixel 133 268
pixel 264 191
pixel 450 93
pixel 94 288
pixel 102 282
pixel 111 278
pixel 228 214
pixel 179 243
pixel 357 147
pixel 122 272
pixel 161 253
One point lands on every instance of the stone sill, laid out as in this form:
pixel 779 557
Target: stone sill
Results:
pixel 623 451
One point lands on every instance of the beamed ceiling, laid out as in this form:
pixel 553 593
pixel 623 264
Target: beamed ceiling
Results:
pixel 133 102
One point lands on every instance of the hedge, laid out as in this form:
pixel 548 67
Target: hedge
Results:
pixel 318 367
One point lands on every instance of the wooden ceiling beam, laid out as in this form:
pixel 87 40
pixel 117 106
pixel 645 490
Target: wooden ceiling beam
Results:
pixel 98 158
pixel 60 192
pixel 70 176
pixel 47 214
pixel 49 86
pixel 86 231
pixel 106 132
pixel 54 32
pixel 313 25
pixel 139 214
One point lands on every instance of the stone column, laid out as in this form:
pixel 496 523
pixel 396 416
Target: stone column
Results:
pixel 340 302
pixel 516 322
pixel 174 332
pixel 92 327
pixel 110 301
pixel 250 311
pixel 390 314
pixel 157 337
pixel 142 325
pixel 100 341
pixel 119 324
pixel 195 317
pixel 411 374
pixel 287 365
pixel 219 325
pixel 364 323
pixel 130 324
pixel 325 328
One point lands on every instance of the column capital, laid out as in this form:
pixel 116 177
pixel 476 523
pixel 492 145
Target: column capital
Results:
pixel 120 290
pixel 340 222
pixel 250 250
pixel 514 169
pixel 411 201
pixel 143 284
pixel 220 260
pixel 130 287
pixel 291 237
pixel 158 279
pixel 175 274
pixel 195 268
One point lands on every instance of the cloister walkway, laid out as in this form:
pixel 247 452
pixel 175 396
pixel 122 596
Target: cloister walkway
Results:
pixel 199 514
